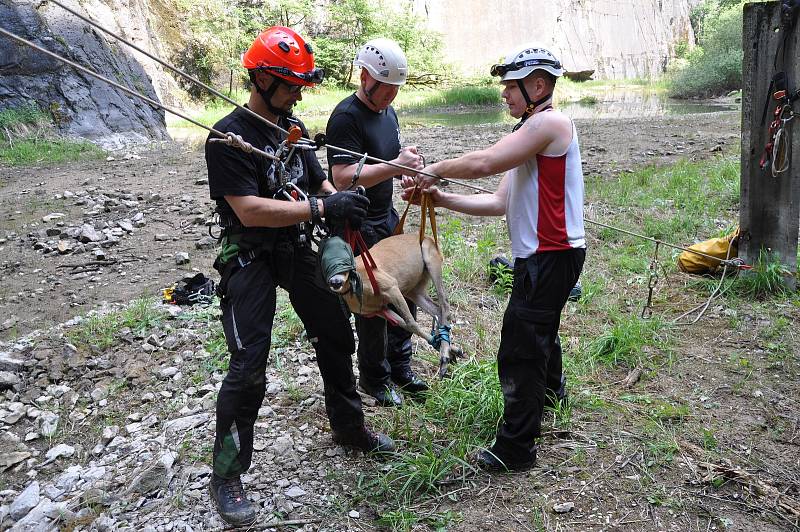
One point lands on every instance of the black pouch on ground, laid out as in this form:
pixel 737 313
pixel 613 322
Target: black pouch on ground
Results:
pixel 191 290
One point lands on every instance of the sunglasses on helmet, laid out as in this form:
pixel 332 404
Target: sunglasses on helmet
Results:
pixel 501 70
pixel 312 76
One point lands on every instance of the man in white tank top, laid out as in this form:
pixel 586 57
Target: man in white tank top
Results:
pixel 541 195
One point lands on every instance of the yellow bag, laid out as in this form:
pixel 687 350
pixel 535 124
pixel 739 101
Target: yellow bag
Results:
pixel 716 247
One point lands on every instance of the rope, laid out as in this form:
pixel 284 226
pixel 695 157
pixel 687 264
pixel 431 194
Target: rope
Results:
pixel 780 150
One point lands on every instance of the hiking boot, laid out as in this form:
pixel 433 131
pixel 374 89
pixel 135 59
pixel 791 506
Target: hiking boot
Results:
pixel 231 501
pixel 553 398
pixel 409 382
pixel 364 439
pixel 384 395
pixel 487 459
pixel 575 293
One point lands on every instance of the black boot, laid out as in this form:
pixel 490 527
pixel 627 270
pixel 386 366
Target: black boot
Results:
pixel 409 382
pixel 364 439
pixel 489 460
pixel 384 395
pixel 231 501
pixel 553 398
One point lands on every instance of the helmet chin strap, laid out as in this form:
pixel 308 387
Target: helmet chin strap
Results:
pixel 267 95
pixel 530 105
pixel 368 92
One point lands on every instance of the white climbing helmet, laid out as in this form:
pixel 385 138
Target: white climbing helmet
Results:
pixel 524 60
pixel 384 60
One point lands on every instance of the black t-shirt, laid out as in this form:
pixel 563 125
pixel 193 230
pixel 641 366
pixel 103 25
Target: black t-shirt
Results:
pixel 232 172
pixel 356 127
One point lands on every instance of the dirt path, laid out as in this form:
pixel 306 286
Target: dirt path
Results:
pixel 166 188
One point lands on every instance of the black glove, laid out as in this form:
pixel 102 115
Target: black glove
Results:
pixel 345 206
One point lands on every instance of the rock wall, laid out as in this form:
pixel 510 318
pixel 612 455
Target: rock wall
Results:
pixel 81 105
pixel 616 38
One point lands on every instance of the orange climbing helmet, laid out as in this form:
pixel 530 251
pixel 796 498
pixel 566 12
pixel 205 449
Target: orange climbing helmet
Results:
pixel 283 53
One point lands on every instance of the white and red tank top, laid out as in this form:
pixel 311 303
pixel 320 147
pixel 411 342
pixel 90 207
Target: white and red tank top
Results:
pixel 544 207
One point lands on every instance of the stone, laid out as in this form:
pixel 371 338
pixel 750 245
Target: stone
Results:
pixel 151 479
pixel 161 237
pixel 37 519
pixel 282 445
pixel 182 258
pixel 89 234
pixel 48 423
pixel 53 216
pixel 109 433
pixel 9 363
pixel 12 458
pixel 8 380
pixel 15 412
pixel 295 491
pixel 25 501
pixel 126 225
pixel 183 424
pixel 563 507
pixel 205 242
pixel 354 514
pixel 104 524
pixel 62 449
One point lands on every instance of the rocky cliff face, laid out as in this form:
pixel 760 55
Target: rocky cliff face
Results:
pixel 81 105
pixel 617 39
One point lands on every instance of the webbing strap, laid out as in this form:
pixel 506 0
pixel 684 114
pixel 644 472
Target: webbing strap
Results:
pixel 355 240
pixel 426 204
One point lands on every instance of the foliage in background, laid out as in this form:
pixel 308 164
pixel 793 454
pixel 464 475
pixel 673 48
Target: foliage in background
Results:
pixel 221 30
pixel 714 66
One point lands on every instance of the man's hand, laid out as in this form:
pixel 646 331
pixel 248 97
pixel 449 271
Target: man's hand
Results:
pixel 426 182
pixel 409 156
pixel 345 206
pixel 408 194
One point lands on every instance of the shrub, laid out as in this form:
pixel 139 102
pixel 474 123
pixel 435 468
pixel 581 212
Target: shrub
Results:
pixel 715 65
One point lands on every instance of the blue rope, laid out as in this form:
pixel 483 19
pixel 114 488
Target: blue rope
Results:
pixel 440 334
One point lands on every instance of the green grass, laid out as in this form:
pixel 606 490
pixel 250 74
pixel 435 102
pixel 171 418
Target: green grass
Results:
pixel 766 280
pixel 460 416
pixel 624 340
pixel 28 138
pixel 100 331
pixel 26 115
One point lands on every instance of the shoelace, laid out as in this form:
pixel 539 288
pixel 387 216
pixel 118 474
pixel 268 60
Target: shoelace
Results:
pixel 234 489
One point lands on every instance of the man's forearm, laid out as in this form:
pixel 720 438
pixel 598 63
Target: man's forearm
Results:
pixel 475 204
pixel 267 212
pixel 371 175
pixel 473 165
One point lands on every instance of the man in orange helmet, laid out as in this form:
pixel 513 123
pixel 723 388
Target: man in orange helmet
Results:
pixel 265 240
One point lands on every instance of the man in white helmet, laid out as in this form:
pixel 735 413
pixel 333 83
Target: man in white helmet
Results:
pixel 541 195
pixel 365 122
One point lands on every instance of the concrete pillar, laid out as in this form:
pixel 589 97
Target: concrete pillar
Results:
pixel 770 206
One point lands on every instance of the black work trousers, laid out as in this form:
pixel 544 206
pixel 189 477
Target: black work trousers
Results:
pixel 529 357
pixel 248 310
pixel 383 350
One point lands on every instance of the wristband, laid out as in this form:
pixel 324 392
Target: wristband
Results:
pixel 315 217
